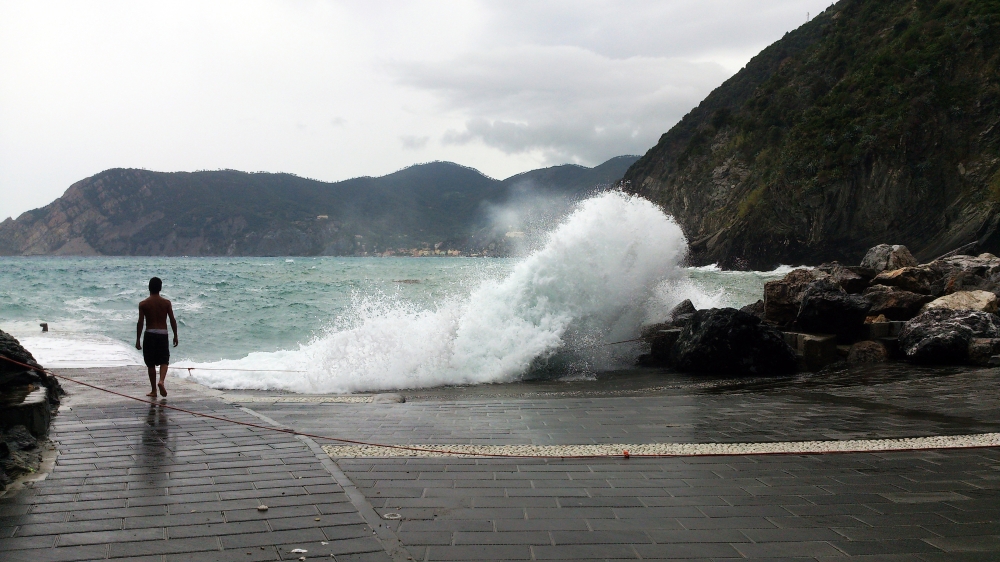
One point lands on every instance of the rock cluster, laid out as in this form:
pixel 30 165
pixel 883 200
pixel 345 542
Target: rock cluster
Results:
pixel 19 454
pixel 942 312
pixel 13 375
pixel 27 397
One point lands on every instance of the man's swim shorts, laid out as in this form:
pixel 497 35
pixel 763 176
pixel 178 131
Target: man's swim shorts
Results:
pixel 155 349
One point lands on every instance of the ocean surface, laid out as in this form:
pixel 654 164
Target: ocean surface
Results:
pixel 338 325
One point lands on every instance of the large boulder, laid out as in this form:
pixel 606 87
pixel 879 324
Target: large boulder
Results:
pixel 12 373
pixel 827 308
pixel 942 335
pixel 727 341
pixel 783 297
pixel 895 303
pixel 886 258
pixel 983 301
pixel 920 279
pixel 851 279
pixel 966 273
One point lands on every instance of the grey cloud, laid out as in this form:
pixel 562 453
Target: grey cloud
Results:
pixel 568 103
pixel 412 142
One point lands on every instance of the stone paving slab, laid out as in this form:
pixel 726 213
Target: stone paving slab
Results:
pixel 143 483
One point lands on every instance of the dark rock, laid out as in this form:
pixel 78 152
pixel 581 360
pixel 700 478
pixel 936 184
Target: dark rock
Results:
pixel 756 309
pixel 827 308
pixel 920 279
pixel 982 350
pixel 681 320
pixel 887 258
pixel 4 450
pixel 967 273
pixel 651 330
pixel 845 277
pixel 12 373
pixel 895 303
pixel 866 273
pixel 867 352
pixel 727 341
pixel 661 345
pixel 783 297
pixel 19 438
pixel 943 336
pixel 684 307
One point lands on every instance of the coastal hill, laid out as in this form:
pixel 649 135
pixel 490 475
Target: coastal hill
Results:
pixel 437 206
pixel 876 121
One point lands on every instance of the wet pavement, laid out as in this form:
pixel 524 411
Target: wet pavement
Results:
pixel 140 482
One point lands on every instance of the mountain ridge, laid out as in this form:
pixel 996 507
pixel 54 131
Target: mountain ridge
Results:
pixel 435 206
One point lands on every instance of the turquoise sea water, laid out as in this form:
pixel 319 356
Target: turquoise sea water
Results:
pixel 355 324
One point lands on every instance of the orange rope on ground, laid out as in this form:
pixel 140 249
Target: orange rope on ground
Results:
pixel 623 455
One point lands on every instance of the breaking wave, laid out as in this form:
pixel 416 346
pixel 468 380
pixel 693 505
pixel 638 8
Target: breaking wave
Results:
pixel 591 283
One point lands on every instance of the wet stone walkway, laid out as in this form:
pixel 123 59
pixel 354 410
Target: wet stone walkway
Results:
pixel 140 482
pixel 143 483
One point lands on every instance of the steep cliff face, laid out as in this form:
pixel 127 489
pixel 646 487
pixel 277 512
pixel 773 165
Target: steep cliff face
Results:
pixel 874 122
pixel 138 212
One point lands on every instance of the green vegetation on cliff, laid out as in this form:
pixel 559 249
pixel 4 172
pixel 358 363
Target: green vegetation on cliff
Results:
pixel 874 122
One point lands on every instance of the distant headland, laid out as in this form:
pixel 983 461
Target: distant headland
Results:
pixel 439 208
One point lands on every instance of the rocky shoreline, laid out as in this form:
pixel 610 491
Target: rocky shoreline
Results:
pixel 28 399
pixel 888 308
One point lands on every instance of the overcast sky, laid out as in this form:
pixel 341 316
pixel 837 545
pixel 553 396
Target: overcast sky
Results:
pixel 333 90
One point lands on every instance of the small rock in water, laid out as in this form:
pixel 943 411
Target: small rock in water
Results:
pixel 983 350
pixel 261 508
pixel 867 352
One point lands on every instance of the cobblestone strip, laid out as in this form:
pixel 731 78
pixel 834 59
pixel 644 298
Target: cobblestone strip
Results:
pixel 672 449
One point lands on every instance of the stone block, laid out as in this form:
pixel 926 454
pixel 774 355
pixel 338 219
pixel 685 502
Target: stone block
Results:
pixel 661 343
pixel 815 350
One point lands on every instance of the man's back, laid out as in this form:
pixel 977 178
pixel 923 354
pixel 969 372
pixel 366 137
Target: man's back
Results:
pixel 155 309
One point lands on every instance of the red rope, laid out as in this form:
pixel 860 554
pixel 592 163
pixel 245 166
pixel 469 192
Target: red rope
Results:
pixel 624 455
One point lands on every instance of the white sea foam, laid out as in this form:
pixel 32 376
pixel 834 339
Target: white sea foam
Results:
pixel 590 283
pixel 79 350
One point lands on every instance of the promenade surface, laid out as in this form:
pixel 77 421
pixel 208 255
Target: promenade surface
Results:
pixel 145 483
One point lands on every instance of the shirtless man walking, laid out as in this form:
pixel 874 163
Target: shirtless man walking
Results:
pixel 155 310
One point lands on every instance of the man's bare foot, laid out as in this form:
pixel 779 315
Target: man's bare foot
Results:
pixel 163 389
pixel 152 394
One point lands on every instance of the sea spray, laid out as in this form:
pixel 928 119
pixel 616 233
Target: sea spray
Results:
pixel 589 283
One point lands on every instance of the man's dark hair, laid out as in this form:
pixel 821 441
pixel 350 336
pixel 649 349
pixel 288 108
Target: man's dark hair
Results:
pixel 155 285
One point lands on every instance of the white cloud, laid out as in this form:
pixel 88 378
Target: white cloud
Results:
pixel 337 89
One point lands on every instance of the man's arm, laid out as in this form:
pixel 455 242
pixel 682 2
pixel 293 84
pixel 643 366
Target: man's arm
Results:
pixel 138 328
pixel 173 322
